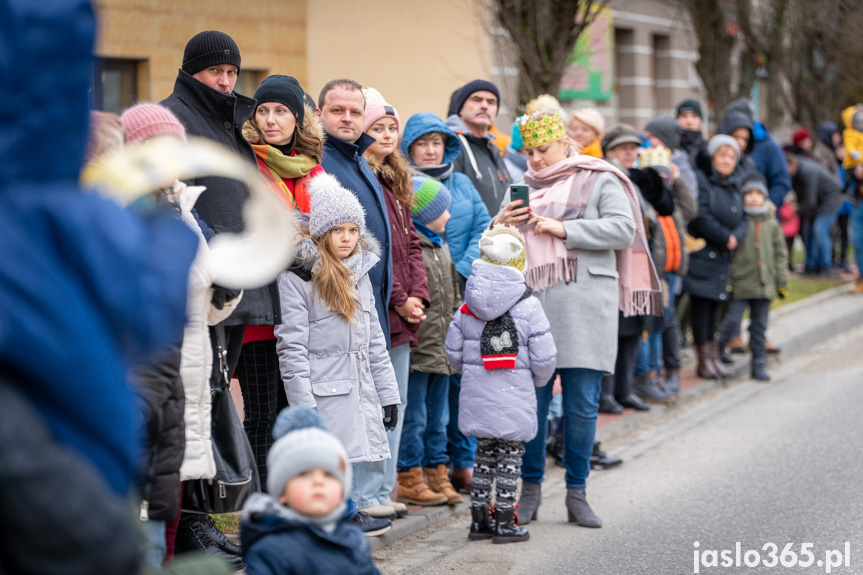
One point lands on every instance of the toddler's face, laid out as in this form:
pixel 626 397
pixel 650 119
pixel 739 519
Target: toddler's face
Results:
pixel 314 492
pixel 753 199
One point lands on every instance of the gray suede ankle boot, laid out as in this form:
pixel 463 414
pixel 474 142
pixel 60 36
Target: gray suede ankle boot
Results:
pixel 579 510
pixel 529 502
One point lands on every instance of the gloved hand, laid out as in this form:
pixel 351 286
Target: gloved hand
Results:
pixel 391 417
pixel 782 292
pixel 222 295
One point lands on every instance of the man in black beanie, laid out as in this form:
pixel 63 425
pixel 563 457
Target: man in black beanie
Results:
pixel 205 102
pixel 690 118
pixel 473 109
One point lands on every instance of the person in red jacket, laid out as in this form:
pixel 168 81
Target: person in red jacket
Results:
pixel 288 142
pixel 410 285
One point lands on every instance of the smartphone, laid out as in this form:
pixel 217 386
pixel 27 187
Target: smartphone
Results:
pixel 520 192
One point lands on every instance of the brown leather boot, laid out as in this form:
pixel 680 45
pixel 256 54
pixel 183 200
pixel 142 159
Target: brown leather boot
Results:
pixel 718 366
pixel 858 286
pixel 736 345
pixel 439 482
pixel 705 366
pixel 413 490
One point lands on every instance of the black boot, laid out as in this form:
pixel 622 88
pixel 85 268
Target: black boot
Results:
pixel 197 534
pixel 505 528
pixel 725 354
pixel 607 404
pixel 758 371
pixel 632 401
pixel 601 460
pixel 481 525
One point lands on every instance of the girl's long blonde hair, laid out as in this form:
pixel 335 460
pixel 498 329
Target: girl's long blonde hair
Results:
pixel 333 281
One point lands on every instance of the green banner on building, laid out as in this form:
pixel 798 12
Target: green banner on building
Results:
pixel 589 73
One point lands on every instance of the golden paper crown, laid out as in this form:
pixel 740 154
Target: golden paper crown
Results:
pixel 541 128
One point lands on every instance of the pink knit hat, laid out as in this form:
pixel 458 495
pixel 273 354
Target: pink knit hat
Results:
pixel 143 121
pixel 377 108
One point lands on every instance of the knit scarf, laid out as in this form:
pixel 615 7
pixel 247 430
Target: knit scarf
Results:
pixel 281 166
pixel 593 149
pixel 498 344
pixel 562 192
pixel 439 173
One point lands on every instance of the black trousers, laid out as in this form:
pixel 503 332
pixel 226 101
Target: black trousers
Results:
pixel 263 397
pixel 703 314
pixel 620 382
pixel 758 312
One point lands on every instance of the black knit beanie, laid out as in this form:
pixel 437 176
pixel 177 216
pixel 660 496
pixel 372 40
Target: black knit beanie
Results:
pixel 460 97
pixel 285 90
pixel 690 106
pixel 210 48
pixel 666 129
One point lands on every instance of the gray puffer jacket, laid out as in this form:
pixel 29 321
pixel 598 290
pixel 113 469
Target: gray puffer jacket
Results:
pixel 341 368
pixel 500 403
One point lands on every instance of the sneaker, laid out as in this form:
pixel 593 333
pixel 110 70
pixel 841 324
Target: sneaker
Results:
pixel 400 509
pixel 372 526
pixel 380 511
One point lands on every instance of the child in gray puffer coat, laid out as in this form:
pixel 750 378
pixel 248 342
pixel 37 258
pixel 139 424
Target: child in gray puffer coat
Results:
pixel 500 341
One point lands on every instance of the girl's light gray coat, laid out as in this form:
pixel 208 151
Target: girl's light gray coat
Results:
pixel 500 403
pixel 341 368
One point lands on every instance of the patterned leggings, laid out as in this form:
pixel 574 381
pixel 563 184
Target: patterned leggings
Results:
pixel 499 458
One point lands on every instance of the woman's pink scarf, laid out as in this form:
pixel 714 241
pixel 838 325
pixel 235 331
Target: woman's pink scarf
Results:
pixel 562 192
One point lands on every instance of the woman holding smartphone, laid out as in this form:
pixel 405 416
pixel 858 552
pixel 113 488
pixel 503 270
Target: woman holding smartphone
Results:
pixel 587 258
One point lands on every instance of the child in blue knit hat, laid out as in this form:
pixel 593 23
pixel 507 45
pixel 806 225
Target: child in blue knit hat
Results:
pixel 424 435
pixel 299 525
pixel 331 348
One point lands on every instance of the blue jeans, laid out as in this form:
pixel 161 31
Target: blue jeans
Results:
pixel 581 389
pixel 423 442
pixel 819 249
pixel 368 476
pixel 857 233
pixel 154 544
pixel 461 447
pixel 649 357
pixel 401 359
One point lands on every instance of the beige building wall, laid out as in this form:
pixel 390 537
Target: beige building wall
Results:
pixel 271 35
pixel 415 52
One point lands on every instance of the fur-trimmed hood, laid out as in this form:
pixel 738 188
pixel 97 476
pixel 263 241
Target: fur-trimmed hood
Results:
pixel 311 127
pixel 306 254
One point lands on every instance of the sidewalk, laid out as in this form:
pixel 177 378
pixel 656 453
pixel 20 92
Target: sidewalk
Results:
pixel 796 328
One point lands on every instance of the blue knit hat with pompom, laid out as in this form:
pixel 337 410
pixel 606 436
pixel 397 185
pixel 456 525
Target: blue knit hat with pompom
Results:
pixel 302 443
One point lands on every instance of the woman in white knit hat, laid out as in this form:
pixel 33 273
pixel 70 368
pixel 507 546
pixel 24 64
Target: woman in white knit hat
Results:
pixel 586 128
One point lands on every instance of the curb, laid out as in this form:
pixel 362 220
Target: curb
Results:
pixel 417 521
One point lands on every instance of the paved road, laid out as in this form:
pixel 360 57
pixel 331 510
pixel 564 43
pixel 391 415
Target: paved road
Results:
pixel 755 463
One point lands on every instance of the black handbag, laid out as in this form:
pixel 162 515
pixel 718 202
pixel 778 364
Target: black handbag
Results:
pixel 236 472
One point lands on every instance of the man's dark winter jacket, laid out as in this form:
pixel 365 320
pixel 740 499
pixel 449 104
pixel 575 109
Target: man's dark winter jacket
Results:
pixel 210 114
pixel 818 192
pixel 345 161
pixel 487 171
